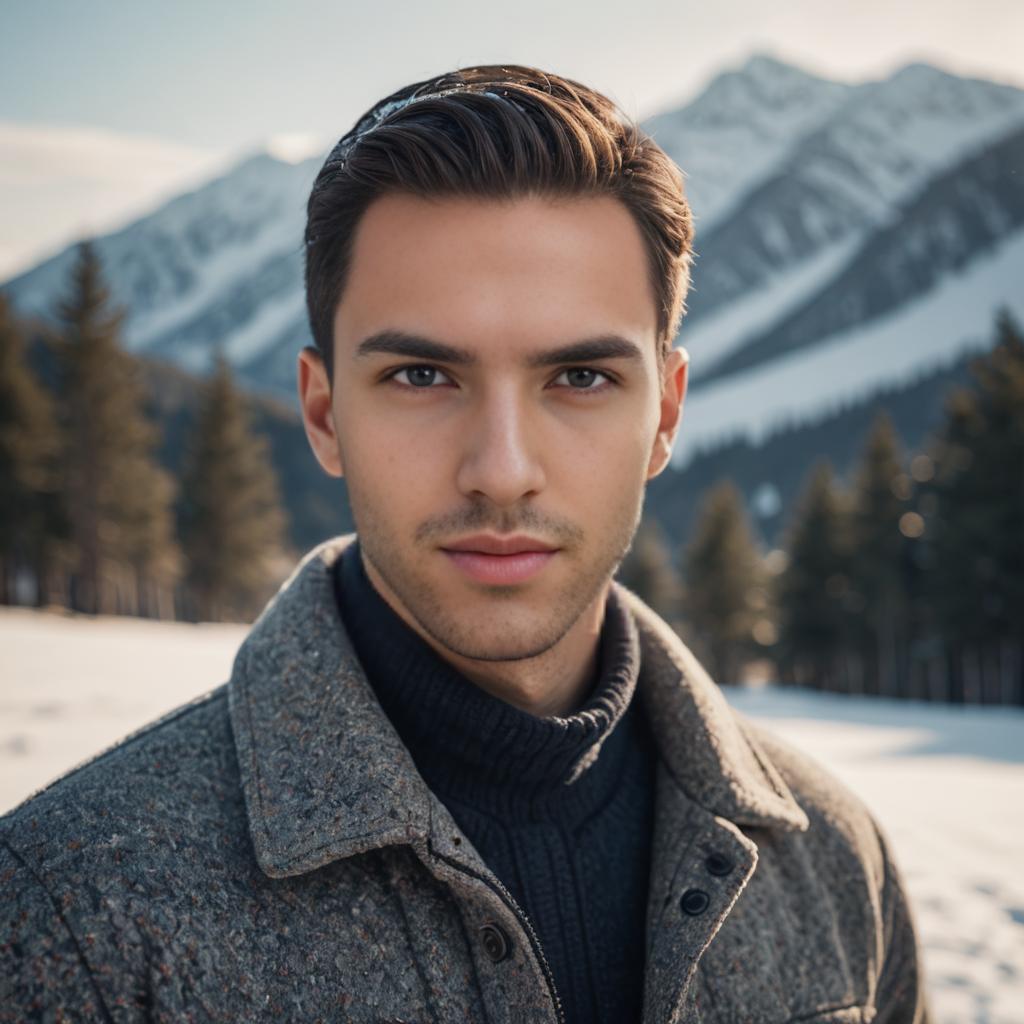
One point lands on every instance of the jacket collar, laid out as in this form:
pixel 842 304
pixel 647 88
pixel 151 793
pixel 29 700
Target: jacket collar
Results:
pixel 706 745
pixel 325 775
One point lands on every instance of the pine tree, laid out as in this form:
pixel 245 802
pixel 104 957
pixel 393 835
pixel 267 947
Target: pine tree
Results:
pixel 231 515
pixel 877 571
pixel 647 570
pixel 1001 400
pixel 29 480
pixel 147 542
pixel 722 580
pixel 976 536
pixel 118 497
pixel 951 534
pixel 813 595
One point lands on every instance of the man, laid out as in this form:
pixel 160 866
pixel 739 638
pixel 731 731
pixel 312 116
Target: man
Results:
pixel 458 774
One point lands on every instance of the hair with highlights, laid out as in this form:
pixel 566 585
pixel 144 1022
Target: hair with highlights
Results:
pixel 496 132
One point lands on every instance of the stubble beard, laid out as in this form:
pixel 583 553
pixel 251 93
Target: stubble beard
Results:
pixel 501 631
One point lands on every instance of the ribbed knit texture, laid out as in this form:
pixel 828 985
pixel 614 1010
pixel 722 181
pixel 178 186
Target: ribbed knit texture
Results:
pixel 557 807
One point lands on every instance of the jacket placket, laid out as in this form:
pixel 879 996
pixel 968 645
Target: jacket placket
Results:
pixel 700 865
pixel 687 905
pixel 520 986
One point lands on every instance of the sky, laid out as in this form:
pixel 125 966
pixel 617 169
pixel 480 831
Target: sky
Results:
pixel 111 107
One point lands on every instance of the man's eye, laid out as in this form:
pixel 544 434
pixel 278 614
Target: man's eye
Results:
pixel 582 378
pixel 422 377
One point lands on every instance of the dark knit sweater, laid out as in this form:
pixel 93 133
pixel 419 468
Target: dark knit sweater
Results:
pixel 575 854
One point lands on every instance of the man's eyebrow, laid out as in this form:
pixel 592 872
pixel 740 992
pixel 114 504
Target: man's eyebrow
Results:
pixel 606 346
pixel 415 346
pixel 399 343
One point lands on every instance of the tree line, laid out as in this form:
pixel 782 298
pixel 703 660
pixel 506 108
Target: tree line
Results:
pixel 905 581
pixel 89 519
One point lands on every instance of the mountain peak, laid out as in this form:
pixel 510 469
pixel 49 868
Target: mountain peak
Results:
pixel 762 64
pixel 762 82
pixel 925 89
pixel 922 75
pixel 255 160
pixel 765 68
pixel 741 125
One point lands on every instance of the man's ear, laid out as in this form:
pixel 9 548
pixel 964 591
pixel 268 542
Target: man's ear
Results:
pixel 318 412
pixel 673 392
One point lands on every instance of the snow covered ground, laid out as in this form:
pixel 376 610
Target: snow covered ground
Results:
pixel 946 783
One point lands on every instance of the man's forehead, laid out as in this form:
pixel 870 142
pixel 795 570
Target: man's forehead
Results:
pixel 496 281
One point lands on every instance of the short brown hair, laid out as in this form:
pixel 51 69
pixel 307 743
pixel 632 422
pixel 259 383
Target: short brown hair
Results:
pixel 496 132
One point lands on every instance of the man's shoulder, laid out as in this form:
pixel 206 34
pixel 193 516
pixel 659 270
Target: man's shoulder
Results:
pixel 162 786
pixel 840 820
pixel 858 877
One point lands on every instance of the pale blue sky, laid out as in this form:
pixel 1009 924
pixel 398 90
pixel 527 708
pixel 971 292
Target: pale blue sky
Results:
pixel 108 106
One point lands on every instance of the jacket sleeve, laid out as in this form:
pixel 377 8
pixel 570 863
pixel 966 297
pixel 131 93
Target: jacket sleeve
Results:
pixel 901 996
pixel 42 973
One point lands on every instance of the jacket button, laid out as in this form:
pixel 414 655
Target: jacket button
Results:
pixel 694 901
pixel 496 942
pixel 718 864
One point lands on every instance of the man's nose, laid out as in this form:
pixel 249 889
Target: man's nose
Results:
pixel 501 457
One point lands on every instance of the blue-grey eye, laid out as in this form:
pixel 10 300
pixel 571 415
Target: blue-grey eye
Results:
pixel 419 376
pixel 582 378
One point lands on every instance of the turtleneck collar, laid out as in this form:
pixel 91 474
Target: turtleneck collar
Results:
pixel 475 748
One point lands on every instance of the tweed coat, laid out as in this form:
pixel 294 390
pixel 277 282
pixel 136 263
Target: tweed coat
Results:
pixel 268 852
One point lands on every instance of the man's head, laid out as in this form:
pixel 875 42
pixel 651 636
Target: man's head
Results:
pixel 496 268
pixel 496 132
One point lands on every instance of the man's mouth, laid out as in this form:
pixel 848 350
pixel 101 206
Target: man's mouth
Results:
pixel 500 560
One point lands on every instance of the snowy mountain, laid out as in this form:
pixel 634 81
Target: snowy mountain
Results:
pixel 849 175
pixel 850 237
pixel 957 218
pixel 218 266
pixel 875 250
pixel 740 128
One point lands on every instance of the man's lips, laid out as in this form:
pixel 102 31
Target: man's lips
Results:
pixel 488 544
pixel 500 560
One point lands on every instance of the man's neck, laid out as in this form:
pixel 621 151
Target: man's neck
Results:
pixel 554 683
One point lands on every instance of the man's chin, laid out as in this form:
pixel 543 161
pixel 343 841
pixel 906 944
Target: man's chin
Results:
pixel 497 637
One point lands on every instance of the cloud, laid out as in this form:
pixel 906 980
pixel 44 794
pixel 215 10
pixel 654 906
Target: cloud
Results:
pixel 59 183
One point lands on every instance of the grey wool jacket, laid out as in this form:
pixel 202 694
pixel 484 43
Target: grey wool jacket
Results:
pixel 268 852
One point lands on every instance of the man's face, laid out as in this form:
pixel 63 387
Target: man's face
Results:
pixel 462 418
